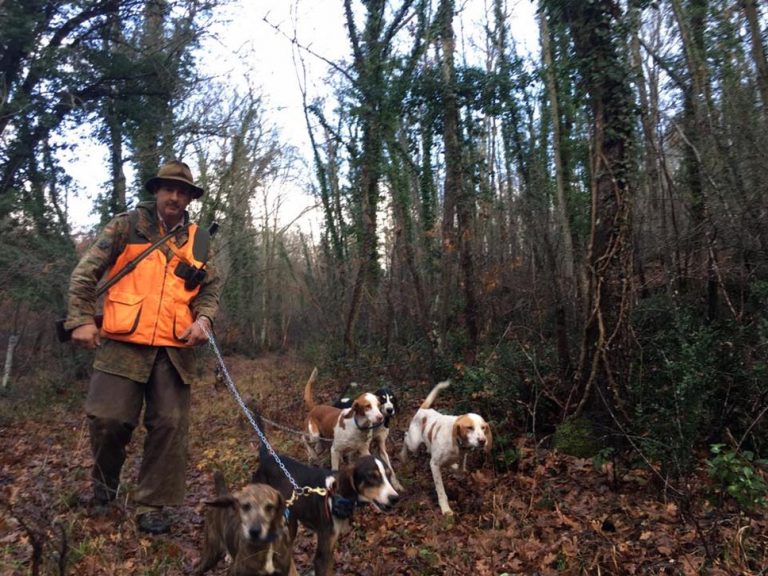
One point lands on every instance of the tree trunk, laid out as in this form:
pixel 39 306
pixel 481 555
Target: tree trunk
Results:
pixel 602 363
pixel 561 194
pixel 368 61
pixel 758 50
pixel 378 104
pixel 653 183
pixel 701 143
pixel 153 139
pixel 458 198
pixel 113 42
pixel 13 340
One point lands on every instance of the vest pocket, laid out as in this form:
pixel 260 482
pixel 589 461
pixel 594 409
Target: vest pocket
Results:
pixel 122 312
pixel 181 320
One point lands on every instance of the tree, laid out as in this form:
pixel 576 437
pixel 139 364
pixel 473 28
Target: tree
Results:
pixel 458 200
pixel 758 50
pixel 595 30
pixel 372 64
pixel 239 164
pixel 125 59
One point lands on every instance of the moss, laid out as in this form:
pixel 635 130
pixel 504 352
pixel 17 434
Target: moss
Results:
pixel 576 437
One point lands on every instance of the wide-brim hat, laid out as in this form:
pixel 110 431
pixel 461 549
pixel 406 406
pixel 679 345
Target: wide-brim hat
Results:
pixel 178 172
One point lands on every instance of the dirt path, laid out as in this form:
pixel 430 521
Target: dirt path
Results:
pixel 553 515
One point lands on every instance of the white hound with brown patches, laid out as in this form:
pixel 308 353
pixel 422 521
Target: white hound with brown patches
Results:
pixel 389 407
pixel 447 439
pixel 350 430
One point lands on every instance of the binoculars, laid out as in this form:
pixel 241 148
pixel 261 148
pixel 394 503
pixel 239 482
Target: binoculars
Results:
pixel 192 276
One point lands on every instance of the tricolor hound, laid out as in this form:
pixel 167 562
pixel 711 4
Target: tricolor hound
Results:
pixel 350 430
pixel 447 439
pixel 328 516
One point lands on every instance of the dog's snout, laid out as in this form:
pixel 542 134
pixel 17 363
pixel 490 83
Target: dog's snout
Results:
pixel 389 410
pixel 254 533
pixel 394 499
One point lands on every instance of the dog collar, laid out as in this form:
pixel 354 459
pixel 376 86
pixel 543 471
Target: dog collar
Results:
pixel 371 427
pixel 342 507
pixel 461 445
pixel 271 538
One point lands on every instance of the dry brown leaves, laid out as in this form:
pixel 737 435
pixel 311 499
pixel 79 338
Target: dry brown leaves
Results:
pixel 554 515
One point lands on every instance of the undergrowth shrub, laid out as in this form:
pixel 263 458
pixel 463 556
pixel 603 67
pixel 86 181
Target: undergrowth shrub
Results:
pixel 692 382
pixel 676 381
pixel 576 437
pixel 496 387
pixel 734 473
pixel 33 285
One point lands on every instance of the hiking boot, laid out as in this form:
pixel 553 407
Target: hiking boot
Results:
pixel 153 522
pixel 97 506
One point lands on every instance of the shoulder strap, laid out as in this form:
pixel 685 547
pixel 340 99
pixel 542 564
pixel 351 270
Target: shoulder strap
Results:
pixel 128 268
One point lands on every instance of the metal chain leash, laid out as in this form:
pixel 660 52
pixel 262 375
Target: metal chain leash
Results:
pixel 292 430
pixel 239 399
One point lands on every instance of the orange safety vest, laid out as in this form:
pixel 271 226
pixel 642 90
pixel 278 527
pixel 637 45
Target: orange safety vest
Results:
pixel 150 305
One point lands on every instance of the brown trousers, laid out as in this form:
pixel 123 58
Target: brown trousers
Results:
pixel 114 406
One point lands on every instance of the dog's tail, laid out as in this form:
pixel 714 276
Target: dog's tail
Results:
pixel 308 400
pixel 220 484
pixel 433 394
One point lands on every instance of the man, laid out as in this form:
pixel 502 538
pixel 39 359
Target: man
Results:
pixel 153 317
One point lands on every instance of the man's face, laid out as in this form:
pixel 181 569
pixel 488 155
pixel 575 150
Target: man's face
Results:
pixel 172 199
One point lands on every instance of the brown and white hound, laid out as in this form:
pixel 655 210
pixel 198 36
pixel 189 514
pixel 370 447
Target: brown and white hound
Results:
pixel 350 430
pixel 389 407
pixel 447 439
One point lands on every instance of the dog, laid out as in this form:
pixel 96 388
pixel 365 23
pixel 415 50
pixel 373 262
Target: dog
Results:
pixel 249 527
pixel 329 516
pixel 350 430
pixel 447 438
pixel 389 407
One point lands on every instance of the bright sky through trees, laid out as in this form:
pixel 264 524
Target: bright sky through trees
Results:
pixel 251 44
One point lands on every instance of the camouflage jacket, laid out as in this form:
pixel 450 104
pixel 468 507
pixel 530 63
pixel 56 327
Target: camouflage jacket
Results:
pixel 132 361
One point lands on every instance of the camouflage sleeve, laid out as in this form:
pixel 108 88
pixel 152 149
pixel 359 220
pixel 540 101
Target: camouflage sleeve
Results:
pixel 206 303
pixel 92 266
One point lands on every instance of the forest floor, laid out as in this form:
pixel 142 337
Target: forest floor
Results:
pixel 553 514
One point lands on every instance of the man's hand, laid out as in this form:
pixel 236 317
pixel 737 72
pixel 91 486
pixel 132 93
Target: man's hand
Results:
pixel 86 336
pixel 195 335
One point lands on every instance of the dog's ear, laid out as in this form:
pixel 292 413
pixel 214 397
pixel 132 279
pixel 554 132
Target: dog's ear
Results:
pixel 227 501
pixel 354 409
pixel 283 505
pixel 456 435
pixel 280 513
pixel 488 439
